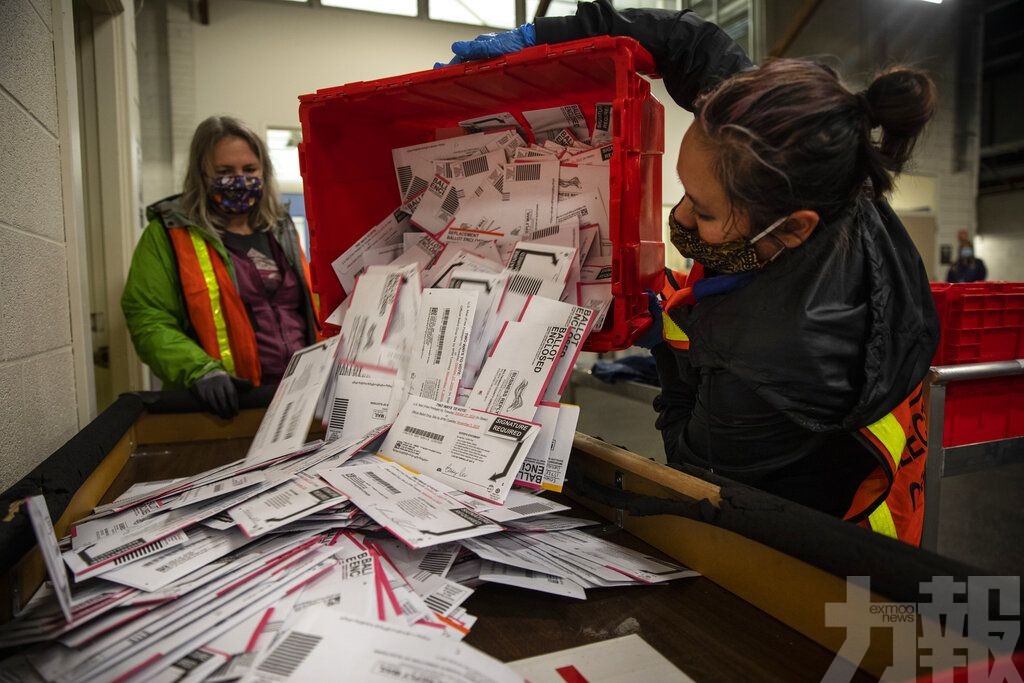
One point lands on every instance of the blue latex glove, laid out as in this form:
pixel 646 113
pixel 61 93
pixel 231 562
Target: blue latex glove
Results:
pixel 655 333
pixel 492 45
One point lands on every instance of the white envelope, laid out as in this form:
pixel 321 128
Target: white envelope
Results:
pixel 39 517
pixel 386 233
pixel 597 296
pixel 438 207
pixel 603 126
pixel 468 450
pixel 598 156
pixel 531 473
pixel 548 264
pixel 290 501
pixel 517 373
pixel 532 580
pixel 286 422
pixel 441 343
pixel 488 288
pixel 553 119
pixel 413 507
pixel 360 404
pixel 561 447
pixel 449 148
pixel 373 653
pixel 591 208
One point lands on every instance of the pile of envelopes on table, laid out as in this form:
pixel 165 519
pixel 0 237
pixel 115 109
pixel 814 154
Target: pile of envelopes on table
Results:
pixel 440 400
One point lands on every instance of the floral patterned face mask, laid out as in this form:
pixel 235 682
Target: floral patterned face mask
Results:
pixel 736 256
pixel 236 194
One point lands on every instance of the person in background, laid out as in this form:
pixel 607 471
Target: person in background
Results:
pixel 801 337
pixel 217 297
pixel 967 267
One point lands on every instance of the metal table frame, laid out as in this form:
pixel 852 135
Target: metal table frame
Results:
pixel 948 462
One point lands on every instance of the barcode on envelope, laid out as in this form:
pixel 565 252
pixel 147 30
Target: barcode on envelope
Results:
pixel 404 178
pixel 524 284
pixel 474 166
pixel 281 422
pixel 416 431
pixel 435 561
pixel 141 552
pixel 526 172
pixel 545 232
pixel 339 411
pixel 530 508
pixel 290 654
pixel 293 424
pixel 418 185
pixel 450 205
pixel 438 603
pixel 386 486
pixel 440 336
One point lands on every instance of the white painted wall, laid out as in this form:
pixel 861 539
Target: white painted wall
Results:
pixel 38 258
pixel 256 58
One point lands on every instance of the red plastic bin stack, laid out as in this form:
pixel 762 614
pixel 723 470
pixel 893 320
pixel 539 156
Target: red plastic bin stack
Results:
pixel 981 321
pixel 348 133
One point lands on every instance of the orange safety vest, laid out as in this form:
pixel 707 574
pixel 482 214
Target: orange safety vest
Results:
pixel 890 501
pixel 214 305
pixel 678 289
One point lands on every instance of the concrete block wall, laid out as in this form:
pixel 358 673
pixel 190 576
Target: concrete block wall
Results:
pixel 38 412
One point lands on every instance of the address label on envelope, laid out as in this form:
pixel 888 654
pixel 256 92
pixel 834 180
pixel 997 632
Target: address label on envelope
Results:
pixel 469 450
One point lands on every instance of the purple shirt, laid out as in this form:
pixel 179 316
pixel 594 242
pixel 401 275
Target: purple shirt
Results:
pixel 272 295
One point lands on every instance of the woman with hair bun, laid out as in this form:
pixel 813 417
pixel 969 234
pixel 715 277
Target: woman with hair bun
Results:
pixel 218 295
pixel 793 352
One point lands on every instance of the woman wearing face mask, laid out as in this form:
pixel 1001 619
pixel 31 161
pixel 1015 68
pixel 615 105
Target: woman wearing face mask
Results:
pixel 217 297
pixel 795 349
pixel 967 268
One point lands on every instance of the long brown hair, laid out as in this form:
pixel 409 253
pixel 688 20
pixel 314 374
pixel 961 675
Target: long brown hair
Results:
pixel 792 136
pixel 195 194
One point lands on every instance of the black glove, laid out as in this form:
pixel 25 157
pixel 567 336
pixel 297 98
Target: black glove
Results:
pixel 218 392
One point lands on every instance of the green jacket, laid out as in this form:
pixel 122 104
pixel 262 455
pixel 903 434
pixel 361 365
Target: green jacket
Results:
pixel 154 306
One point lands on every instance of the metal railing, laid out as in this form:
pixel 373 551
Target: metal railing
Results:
pixel 947 462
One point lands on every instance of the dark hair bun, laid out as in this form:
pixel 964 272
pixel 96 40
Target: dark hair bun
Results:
pixel 901 100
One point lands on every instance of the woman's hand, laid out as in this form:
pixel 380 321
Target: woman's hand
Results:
pixel 492 45
pixel 218 392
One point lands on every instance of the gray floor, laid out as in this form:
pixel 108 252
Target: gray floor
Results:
pixel 981 521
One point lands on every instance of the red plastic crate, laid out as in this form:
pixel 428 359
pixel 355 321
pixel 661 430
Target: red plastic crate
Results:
pixel 980 322
pixel 983 410
pixel 348 133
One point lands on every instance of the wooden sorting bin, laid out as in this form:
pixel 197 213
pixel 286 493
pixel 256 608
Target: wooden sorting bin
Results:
pixel 757 613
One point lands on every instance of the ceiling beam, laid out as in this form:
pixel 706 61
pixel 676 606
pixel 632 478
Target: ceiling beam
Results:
pixel 800 20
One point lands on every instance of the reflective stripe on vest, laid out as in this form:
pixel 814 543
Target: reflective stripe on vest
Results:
pixel 672 332
pixel 218 315
pixel 890 500
pixel 889 432
pixel 203 254
pixel 881 521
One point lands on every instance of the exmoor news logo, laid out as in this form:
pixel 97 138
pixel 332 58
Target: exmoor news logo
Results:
pixel 965 631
